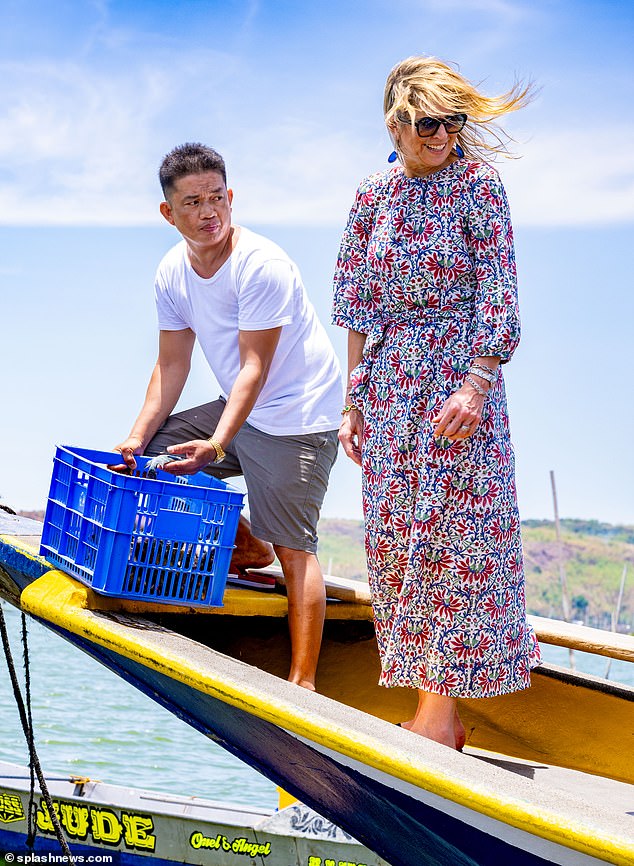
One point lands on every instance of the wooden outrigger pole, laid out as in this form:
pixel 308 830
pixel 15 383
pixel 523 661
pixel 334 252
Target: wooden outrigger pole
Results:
pixel 615 615
pixel 565 601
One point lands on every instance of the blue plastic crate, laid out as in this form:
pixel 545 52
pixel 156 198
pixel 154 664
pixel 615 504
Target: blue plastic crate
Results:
pixel 166 539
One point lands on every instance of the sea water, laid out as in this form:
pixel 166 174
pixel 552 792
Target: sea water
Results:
pixel 90 722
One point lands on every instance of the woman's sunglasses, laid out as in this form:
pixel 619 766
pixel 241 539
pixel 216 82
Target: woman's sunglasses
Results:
pixel 426 126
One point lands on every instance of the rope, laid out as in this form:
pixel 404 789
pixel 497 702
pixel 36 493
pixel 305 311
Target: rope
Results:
pixel 32 824
pixel 27 727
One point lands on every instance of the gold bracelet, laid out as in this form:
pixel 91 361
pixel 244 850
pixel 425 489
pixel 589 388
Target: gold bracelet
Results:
pixel 220 451
pixel 348 408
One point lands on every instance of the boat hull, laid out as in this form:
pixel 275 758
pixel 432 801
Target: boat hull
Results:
pixel 139 828
pixel 404 822
pixel 399 825
pixel 410 800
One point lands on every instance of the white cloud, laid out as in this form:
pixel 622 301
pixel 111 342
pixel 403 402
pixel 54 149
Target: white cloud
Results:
pixel 469 31
pixel 80 146
pixel 562 181
pixel 74 145
pixel 307 178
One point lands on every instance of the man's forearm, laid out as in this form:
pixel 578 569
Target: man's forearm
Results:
pixel 244 394
pixel 257 349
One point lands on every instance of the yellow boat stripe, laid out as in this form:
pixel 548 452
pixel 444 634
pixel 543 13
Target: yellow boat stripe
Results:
pixel 24 548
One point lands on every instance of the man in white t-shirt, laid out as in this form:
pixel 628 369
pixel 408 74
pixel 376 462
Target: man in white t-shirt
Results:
pixel 276 421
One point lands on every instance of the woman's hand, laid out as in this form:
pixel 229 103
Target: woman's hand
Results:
pixel 460 414
pixel 351 434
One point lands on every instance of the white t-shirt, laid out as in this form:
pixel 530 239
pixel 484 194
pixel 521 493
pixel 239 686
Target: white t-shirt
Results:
pixel 257 288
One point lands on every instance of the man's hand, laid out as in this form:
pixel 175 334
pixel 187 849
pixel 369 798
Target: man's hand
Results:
pixel 131 446
pixel 197 454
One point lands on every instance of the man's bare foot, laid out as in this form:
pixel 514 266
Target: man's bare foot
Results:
pixel 243 560
pixel 250 552
pixel 305 684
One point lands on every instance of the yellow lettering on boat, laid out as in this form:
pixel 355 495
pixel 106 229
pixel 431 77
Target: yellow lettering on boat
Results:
pixel 43 819
pixel 74 819
pixel 103 826
pixel 11 809
pixel 198 840
pixel 239 845
pixel 317 861
pixel 138 831
pixel 106 827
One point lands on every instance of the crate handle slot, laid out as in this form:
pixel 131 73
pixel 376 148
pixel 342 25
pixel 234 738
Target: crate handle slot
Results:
pixel 109 458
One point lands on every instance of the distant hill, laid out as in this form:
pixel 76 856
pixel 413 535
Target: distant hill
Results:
pixel 593 555
pixel 32 515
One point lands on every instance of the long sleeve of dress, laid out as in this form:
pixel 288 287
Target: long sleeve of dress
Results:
pixel 490 235
pixel 354 305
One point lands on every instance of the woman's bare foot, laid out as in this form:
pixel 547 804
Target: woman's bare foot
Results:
pixel 458 728
pixel 459 732
pixel 437 718
pixel 437 731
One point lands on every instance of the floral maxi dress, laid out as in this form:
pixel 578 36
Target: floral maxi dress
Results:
pixel 426 269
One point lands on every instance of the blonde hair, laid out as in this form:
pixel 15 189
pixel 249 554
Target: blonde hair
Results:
pixel 427 84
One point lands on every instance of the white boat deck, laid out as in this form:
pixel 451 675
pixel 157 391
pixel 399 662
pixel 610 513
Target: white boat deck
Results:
pixel 597 792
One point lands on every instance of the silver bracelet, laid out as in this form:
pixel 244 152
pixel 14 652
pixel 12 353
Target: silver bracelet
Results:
pixel 483 372
pixel 478 388
pixel 484 367
pixel 486 371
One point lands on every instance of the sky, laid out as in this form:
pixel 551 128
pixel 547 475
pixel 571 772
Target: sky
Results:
pixel 95 93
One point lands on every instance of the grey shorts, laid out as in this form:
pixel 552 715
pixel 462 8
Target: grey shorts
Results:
pixel 286 476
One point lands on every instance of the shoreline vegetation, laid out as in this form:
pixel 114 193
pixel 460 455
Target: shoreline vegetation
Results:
pixel 593 555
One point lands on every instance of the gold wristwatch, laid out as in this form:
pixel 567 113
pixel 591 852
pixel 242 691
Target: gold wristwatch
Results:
pixel 220 451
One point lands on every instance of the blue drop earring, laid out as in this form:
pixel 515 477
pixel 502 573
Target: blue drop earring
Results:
pixel 392 157
pixel 459 151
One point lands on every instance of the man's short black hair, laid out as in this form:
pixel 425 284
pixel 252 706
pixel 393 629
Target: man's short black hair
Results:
pixel 190 158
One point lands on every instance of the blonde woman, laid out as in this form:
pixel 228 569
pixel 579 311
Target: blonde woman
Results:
pixel 426 286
